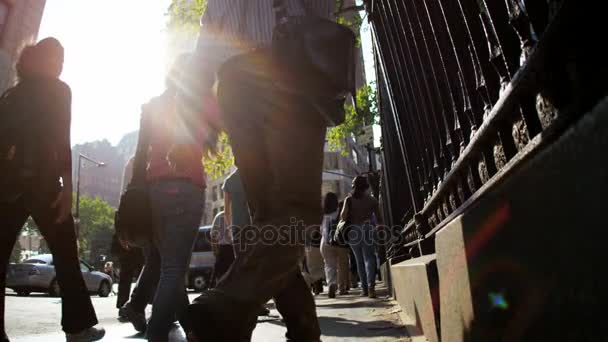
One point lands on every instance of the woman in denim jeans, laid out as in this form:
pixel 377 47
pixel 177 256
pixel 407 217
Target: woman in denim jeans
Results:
pixel 358 209
pixel 173 139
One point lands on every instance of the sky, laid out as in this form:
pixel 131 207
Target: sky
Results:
pixel 115 61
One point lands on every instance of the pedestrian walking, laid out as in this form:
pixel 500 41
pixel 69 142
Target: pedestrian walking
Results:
pixel 359 207
pixel 315 266
pixel 277 137
pixel 36 179
pixel 172 142
pixel 335 254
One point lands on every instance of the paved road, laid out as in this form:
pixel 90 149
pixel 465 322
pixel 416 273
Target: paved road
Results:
pixel 350 318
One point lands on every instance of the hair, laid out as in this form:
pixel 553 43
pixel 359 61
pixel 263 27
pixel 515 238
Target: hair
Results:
pixel 360 186
pixel 26 63
pixel 330 203
pixel 43 59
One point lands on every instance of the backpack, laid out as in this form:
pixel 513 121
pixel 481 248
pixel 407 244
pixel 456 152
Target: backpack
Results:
pixel 14 142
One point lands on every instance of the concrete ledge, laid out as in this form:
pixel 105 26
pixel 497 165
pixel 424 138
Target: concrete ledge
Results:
pixel 415 287
pixel 454 288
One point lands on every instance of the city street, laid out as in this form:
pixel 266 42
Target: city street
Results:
pixel 349 318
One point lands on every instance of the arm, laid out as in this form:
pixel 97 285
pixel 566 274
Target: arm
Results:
pixel 227 209
pixel 346 209
pixel 63 202
pixel 141 154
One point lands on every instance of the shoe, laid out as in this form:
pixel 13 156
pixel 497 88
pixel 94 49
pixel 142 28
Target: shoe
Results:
pixel 364 293
pixel 372 293
pixel 332 291
pixel 216 316
pixel 343 292
pixel 87 335
pixel 138 319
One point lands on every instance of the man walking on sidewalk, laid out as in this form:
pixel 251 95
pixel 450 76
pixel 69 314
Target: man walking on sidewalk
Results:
pixel 277 139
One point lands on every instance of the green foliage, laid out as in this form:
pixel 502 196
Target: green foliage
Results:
pixel 184 15
pixel 355 120
pixel 218 164
pixel 96 224
pixel 16 254
pixel 353 20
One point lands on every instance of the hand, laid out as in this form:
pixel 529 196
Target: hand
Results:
pixel 63 204
pixel 124 244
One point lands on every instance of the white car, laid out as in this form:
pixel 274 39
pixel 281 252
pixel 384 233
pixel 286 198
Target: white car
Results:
pixel 37 274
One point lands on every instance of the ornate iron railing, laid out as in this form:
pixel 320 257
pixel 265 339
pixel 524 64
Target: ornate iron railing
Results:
pixel 468 89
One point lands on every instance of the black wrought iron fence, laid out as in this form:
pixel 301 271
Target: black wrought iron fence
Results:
pixel 470 87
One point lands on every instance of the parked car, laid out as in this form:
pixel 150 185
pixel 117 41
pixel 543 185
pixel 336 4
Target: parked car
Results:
pixel 37 274
pixel 202 261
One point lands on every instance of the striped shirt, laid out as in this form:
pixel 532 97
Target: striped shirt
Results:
pixel 251 22
pixel 232 27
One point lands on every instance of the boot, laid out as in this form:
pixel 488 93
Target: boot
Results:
pixel 332 291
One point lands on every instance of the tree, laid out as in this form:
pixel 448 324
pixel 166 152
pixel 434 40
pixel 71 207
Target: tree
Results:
pixel 356 120
pixel 96 224
pixel 16 253
pixel 184 15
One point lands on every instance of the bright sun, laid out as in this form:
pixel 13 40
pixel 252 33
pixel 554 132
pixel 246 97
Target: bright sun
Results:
pixel 115 61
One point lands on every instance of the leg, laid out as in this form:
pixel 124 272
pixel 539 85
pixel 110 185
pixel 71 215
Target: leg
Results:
pixel 357 248
pixel 77 310
pixel 343 269
pixel 278 143
pixel 331 262
pixel 224 260
pixel 369 255
pixel 127 271
pixel 178 206
pixel 296 304
pixel 148 280
pixel 12 219
pixel 315 263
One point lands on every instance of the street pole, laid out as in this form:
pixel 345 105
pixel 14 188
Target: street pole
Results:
pixel 82 157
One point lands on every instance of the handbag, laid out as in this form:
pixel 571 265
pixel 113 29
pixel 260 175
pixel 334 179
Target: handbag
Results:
pixel 340 237
pixel 133 220
pixel 318 56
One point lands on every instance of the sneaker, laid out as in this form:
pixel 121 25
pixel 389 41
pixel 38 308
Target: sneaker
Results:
pixel 138 319
pixel 87 335
pixel 332 291
pixel 372 293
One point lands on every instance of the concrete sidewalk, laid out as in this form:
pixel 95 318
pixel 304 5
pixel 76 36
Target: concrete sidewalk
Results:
pixel 346 318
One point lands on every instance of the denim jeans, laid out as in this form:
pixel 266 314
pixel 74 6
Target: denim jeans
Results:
pixel 178 207
pixel 362 244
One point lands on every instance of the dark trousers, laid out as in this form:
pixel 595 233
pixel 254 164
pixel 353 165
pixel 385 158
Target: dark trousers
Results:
pixel 223 260
pixel 131 263
pixel 277 140
pixel 77 311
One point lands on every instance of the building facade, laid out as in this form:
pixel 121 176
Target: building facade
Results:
pixel 19 25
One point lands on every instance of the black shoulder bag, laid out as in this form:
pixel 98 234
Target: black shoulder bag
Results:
pixel 340 237
pixel 133 220
pixel 319 55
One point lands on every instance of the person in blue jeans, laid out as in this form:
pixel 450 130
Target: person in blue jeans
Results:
pixel 359 208
pixel 172 141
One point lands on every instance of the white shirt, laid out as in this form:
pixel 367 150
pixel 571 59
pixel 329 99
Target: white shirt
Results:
pixel 325 225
